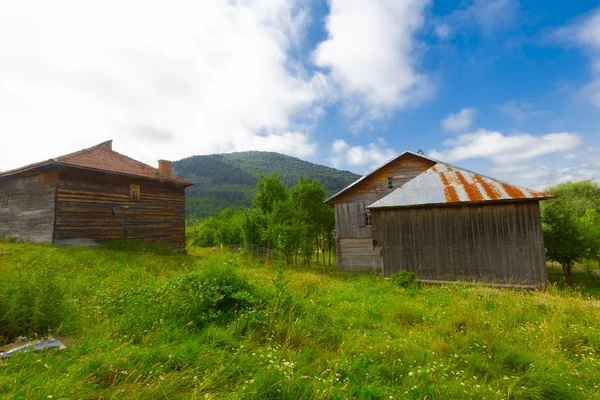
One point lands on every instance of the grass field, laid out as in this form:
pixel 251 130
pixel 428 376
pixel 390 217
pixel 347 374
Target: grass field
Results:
pixel 149 325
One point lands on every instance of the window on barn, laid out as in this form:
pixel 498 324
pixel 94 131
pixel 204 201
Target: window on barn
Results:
pixel 4 197
pixel 367 218
pixel 390 183
pixel 134 192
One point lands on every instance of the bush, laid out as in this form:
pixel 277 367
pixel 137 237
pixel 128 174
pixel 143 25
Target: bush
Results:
pixel 404 279
pixel 216 294
pixel 31 302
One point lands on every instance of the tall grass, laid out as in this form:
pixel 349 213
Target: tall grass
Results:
pixel 147 325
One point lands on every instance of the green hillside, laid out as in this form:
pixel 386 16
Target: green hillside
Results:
pixel 228 180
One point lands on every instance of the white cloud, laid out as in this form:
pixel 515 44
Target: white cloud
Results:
pixel 493 15
pixel 520 111
pixel 369 156
pixel 443 31
pixel 460 121
pixel 585 32
pixel 371 52
pixel 502 148
pixel 163 80
pixel 339 146
pixel 488 16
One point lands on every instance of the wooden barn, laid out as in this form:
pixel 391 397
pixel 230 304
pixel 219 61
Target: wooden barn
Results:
pixel 444 223
pixel 91 196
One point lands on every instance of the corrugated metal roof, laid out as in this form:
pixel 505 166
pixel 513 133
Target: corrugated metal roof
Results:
pixel 405 152
pixel 444 184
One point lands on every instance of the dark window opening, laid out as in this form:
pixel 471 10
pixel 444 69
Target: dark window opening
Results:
pixel 134 192
pixel 390 183
pixel 4 197
pixel 367 219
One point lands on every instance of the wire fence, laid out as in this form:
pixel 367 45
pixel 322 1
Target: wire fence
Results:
pixel 257 251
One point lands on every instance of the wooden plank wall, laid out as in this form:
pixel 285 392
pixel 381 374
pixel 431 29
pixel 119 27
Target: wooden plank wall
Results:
pixel 498 243
pixel 350 207
pixel 29 214
pixel 375 186
pixel 97 207
pixel 359 255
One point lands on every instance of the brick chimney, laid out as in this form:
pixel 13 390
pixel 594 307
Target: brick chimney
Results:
pixel 106 145
pixel 164 167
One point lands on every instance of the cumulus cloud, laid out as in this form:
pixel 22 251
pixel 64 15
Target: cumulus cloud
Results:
pixel 502 148
pixel 460 121
pixel 163 80
pixel 369 156
pixel 370 52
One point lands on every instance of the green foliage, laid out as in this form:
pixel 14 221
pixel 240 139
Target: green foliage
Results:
pixel 214 295
pixel 567 229
pixel 589 226
pixel 31 302
pixel 229 180
pixel 263 331
pixel 404 279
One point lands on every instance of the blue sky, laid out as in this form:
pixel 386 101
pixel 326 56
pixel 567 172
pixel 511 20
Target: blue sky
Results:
pixel 506 88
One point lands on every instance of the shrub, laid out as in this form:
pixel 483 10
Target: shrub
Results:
pixel 216 294
pixel 404 279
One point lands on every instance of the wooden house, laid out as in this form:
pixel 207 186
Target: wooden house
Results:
pixel 91 196
pixel 444 223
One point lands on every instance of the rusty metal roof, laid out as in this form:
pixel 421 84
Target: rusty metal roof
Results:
pixel 445 184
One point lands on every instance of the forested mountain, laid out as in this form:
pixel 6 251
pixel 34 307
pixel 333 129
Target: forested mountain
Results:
pixel 229 180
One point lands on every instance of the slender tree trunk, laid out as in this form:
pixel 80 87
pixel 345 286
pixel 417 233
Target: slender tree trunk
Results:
pixel 567 269
pixel 317 241
pixel 329 245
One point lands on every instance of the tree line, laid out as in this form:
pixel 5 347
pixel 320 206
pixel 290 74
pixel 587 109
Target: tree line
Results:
pixel 293 221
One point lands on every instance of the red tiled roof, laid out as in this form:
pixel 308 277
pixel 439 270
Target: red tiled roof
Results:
pixel 102 158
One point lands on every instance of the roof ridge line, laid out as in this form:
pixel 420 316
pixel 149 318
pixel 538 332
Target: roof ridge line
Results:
pixel 333 196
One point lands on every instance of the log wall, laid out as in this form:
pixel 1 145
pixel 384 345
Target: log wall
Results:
pixel 498 243
pixel 29 213
pixel 95 207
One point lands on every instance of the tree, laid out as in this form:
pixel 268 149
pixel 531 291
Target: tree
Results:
pixel 563 231
pixel 205 232
pixel 589 226
pixel 229 230
pixel 270 194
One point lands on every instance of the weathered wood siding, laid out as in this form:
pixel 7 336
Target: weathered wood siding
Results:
pixel 29 213
pixel 375 186
pixel 499 243
pixel 359 255
pixel 96 207
pixel 350 208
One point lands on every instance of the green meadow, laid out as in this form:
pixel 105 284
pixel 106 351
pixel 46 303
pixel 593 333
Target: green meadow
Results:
pixel 143 323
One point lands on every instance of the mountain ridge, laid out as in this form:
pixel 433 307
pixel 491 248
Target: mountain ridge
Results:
pixel 229 179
